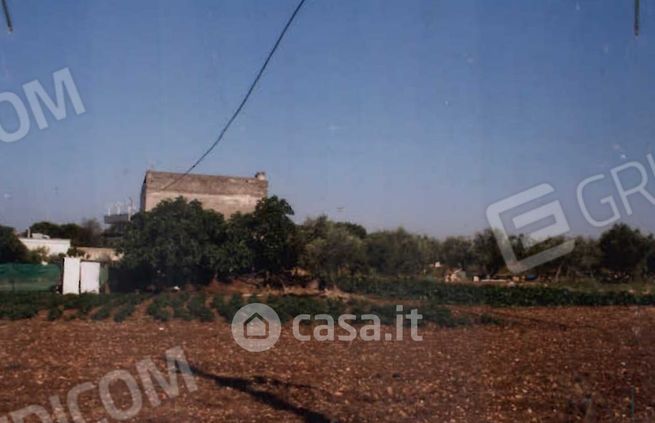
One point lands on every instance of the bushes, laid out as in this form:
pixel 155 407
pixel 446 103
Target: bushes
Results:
pixel 127 306
pixel 430 299
pixel 288 307
pixel 497 296
pixel 87 302
pixel 441 316
pixel 488 319
pixel 388 287
pixel 11 249
pixel 387 313
pixel 431 312
pixel 124 312
pixel 158 308
pixel 187 306
pixel 97 307
pixel 183 305
pixel 177 302
pixel 101 307
pixel 198 310
pixel 229 308
pixel 22 305
pixel 54 313
pixel 102 313
pixel 20 311
pixel 158 312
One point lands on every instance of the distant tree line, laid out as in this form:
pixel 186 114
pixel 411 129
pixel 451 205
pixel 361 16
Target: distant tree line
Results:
pixel 179 242
pixel 89 233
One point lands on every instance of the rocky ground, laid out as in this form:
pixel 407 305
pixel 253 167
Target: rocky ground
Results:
pixel 542 364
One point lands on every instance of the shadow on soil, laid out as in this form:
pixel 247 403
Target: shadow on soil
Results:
pixel 247 386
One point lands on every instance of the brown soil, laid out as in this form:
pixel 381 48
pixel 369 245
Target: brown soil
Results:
pixel 555 364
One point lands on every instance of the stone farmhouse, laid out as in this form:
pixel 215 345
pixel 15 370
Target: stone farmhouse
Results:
pixel 224 194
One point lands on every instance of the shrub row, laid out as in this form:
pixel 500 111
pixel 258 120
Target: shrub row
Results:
pixel 127 307
pixel 289 306
pixel 388 287
pixel 179 306
pixel 183 306
pixel 22 305
pixel 529 296
pixel 193 307
pixel 498 296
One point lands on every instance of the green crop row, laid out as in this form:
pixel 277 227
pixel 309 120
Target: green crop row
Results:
pixel 187 306
pixel 494 295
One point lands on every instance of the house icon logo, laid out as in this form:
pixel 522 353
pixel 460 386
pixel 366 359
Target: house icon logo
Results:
pixel 256 327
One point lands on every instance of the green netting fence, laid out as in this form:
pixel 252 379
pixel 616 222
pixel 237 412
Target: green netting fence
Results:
pixel 28 277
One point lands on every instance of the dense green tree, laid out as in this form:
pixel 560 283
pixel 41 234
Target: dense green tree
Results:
pixel 353 229
pixel 47 228
pixel 88 234
pixel 318 227
pixel 273 236
pixel 238 255
pixel 584 260
pixel 650 260
pixel 11 249
pixel 338 251
pixel 457 252
pixel 179 242
pixel 175 243
pixel 624 251
pixel 429 249
pixel 551 269
pixel 486 253
pixel 315 228
pixel 395 253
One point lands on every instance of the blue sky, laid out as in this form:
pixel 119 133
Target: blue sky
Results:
pixel 412 113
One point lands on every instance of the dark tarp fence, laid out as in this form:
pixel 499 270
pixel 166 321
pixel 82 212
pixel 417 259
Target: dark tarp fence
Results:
pixel 28 277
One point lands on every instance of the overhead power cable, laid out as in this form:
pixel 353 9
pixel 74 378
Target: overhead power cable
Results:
pixel 5 8
pixel 245 98
pixel 636 22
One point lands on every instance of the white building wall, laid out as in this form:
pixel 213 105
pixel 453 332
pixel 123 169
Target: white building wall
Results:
pixel 54 246
pixel 71 276
pixel 90 277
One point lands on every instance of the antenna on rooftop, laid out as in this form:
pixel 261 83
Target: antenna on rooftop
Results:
pixel 120 212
